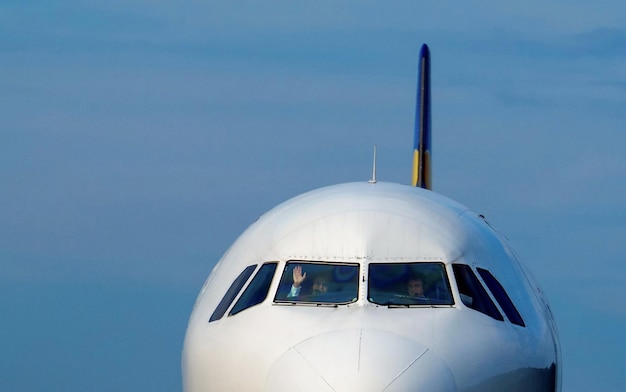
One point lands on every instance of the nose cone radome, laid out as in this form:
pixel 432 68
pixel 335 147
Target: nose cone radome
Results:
pixel 359 360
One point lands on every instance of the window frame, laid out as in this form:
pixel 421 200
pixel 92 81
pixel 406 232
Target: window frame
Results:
pixel 281 299
pixel 481 300
pixel 502 297
pixel 405 300
pixel 247 298
pixel 232 293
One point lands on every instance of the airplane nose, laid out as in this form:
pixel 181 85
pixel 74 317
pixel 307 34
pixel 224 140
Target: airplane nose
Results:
pixel 359 360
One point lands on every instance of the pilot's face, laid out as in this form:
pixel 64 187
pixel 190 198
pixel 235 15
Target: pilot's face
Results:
pixel 416 287
pixel 320 286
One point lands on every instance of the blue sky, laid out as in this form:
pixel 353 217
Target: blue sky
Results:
pixel 139 139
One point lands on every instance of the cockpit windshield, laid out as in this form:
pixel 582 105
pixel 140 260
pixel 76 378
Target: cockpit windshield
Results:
pixel 319 283
pixel 408 284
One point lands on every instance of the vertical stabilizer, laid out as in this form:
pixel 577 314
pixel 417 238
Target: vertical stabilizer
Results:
pixel 422 139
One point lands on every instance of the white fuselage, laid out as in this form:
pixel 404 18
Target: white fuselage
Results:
pixel 361 345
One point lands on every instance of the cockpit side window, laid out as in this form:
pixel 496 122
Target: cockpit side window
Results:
pixel 257 290
pixel 319 283
pixel 473 294
pixel 232 292
pixel 408 284
pixel 502 297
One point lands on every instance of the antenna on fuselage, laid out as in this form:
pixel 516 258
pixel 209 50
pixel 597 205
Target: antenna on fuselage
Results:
pixel 373 180
pixel 422 139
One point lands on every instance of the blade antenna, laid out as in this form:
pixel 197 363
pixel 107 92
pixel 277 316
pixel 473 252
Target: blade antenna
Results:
pixel 373 180
pixel 422 134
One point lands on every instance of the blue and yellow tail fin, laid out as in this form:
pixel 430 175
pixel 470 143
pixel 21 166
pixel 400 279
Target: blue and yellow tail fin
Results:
pixel 422 139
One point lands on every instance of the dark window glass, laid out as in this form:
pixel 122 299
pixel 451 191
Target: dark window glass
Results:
pixel 502 297
pixel 473 294
pixel 232 292
pixel 319 283
pixel 407 284
pixel 256 292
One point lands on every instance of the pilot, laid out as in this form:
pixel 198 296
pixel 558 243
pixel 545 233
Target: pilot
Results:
pixel 415 287
pixel 320 284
